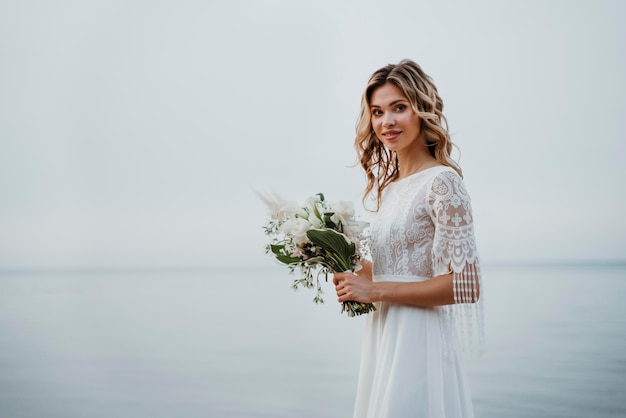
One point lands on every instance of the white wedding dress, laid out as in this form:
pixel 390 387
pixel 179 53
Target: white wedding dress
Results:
pixel 412 361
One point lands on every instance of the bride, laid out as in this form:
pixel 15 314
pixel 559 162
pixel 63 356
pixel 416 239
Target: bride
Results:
pixel 424 277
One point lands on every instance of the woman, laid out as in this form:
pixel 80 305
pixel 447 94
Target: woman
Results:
pixel 424 277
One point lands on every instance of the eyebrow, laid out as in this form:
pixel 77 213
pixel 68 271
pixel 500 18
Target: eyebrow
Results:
pixel 392 103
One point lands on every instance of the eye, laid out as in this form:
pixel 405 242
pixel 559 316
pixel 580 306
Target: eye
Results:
pixel 401 108
pixel 377 112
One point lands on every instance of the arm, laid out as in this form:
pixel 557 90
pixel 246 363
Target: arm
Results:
pixel 434 292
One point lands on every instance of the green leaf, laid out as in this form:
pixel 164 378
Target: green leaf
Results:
pixel 277 249
pixel 328 220
pixel 286 259
pixel 282 256
pixel 334 243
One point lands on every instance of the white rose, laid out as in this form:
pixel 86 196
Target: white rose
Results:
pixel 296 227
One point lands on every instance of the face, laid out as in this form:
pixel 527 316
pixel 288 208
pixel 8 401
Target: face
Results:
pixel 394 121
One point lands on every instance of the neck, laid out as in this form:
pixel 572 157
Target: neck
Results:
pixel 411 164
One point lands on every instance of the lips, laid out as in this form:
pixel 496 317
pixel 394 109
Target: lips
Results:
pixel 391 134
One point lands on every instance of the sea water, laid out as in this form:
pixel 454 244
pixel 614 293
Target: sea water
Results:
pixel 239 342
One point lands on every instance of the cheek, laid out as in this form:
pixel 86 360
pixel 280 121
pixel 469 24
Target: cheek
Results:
pixel 376 128
pixel 417 123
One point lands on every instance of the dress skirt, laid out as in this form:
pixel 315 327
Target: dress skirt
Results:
pixel 411 364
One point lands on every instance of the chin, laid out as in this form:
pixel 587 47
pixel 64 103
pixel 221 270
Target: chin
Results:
pixel 393 147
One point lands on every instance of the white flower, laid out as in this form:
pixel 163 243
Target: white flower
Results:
pixel 314 204
pixel 291 209
pixel 353 228
pixel 296 228
pixel 315 221
pixel 313 201
pixel 343 209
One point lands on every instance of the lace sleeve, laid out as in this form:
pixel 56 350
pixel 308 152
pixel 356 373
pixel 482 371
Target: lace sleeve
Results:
pixel 454 250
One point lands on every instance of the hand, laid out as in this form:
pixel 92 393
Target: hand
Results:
pixel 354 287
pixel 366 269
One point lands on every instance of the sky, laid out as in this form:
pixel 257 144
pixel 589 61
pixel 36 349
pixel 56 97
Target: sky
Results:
pixel 134 134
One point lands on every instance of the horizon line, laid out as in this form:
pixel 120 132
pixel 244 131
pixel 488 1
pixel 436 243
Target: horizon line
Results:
pixel 256 265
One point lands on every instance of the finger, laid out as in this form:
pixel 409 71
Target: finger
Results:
pixel 338 278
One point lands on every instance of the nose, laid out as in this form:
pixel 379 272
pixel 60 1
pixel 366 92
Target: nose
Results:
pixel 389 119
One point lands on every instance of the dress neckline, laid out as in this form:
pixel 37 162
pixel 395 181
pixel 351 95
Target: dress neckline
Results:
pixel 419 172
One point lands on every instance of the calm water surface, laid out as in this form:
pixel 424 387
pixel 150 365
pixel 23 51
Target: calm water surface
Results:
pixel 241 343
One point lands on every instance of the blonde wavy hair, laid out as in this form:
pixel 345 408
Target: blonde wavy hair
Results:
pixel 380 164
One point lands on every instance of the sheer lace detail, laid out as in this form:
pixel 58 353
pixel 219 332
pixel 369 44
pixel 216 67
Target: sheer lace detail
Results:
pixel 454 250
pixel 403 233
pixel 424 228
pixel 454 245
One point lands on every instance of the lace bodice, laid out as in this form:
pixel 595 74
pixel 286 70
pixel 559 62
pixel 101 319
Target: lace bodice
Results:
pixel 424 226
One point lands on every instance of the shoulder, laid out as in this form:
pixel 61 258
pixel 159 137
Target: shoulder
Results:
pixel 444 172
pixel 442 175
pixel 446 182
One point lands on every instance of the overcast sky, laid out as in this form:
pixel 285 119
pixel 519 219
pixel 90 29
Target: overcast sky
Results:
pixel 133 133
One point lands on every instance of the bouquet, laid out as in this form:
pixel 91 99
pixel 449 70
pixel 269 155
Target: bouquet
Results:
pixel 317 238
